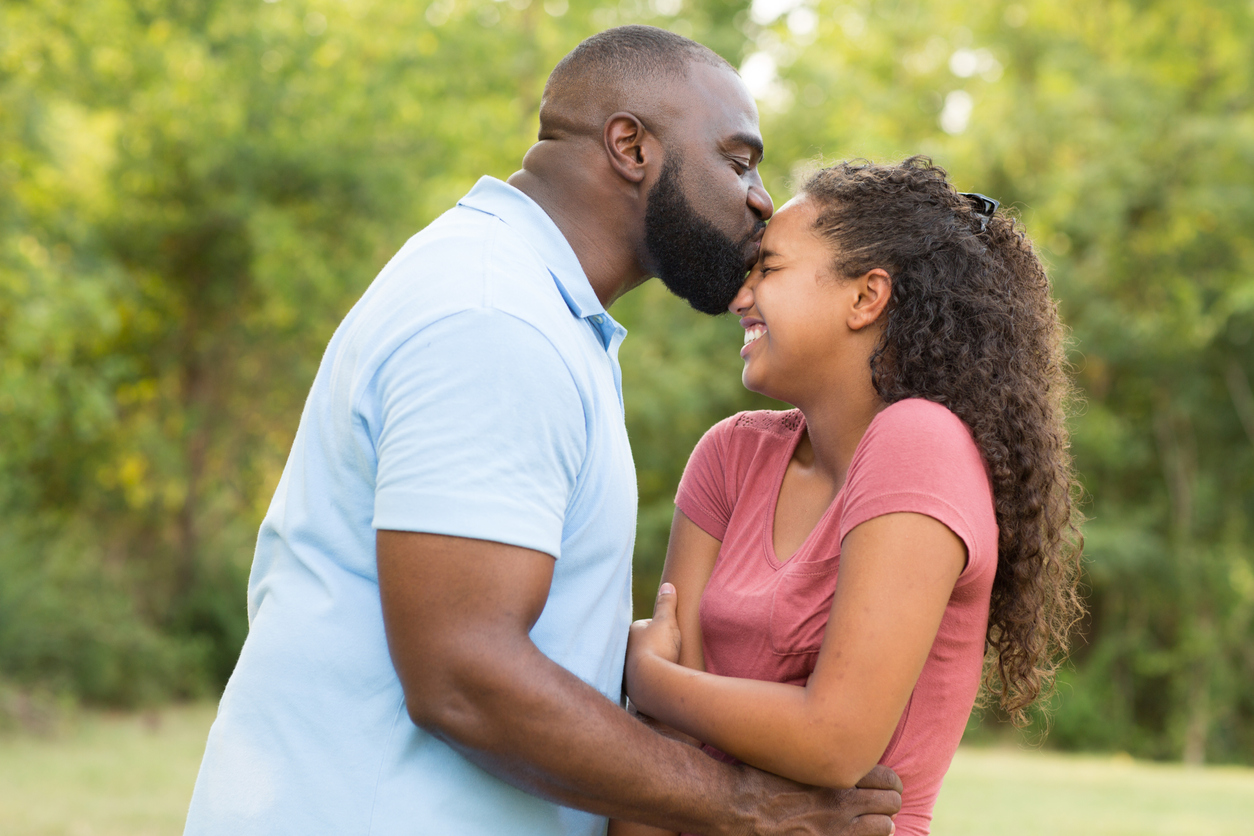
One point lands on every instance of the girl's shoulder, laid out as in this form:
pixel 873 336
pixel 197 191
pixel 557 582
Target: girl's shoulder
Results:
pixel 922 413
pixel 919 445
pixel 918 456
pixel 781 423
pixel 736 457
pixel 745 441
pixel 921 425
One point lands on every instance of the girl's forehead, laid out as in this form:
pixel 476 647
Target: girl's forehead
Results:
pixel 793 202
pixel 795 216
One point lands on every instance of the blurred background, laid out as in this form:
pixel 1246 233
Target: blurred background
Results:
pixel 193 193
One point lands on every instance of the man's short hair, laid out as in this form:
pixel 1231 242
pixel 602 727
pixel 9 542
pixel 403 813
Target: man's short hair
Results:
pixel 612 71
pixel 630 52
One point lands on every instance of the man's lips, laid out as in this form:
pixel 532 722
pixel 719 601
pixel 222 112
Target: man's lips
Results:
pixel 753 246
pixel 751 256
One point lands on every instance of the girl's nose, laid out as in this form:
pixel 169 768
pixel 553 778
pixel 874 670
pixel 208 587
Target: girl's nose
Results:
pixel 743 299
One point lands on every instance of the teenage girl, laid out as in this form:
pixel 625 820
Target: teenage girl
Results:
pixel 838 574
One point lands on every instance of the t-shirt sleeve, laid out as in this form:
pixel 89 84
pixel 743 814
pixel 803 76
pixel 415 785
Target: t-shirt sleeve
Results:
pixel 704 494
pixel 479 432
pixel 919 457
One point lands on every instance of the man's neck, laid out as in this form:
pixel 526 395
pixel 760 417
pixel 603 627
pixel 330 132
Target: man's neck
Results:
pixel 586 215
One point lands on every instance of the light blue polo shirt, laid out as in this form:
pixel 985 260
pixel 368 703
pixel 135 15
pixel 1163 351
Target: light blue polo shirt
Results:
pixel 474 390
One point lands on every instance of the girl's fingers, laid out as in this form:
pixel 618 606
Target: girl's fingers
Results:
pixel 664 607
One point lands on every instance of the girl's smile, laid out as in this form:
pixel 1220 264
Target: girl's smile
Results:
pixel 789 306
pixel 753 330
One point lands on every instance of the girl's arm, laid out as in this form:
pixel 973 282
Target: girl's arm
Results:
pixel 896 574
pixel 690 556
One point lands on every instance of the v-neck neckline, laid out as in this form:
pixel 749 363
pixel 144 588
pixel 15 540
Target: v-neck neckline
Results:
pixel 768 534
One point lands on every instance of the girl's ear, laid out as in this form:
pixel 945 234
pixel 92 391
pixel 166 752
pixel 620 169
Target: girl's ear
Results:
pixel 874 289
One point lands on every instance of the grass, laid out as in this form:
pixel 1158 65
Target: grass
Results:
pixel 132 775
pixel 104 775
pixel 1030 793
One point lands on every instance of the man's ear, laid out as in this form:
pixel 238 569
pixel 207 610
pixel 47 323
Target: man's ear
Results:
pixel 624 138
pixel 875 287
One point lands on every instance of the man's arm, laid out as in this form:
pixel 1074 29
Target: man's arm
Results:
pixel 458 612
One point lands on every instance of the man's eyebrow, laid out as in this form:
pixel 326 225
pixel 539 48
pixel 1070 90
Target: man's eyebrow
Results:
pixel 752 140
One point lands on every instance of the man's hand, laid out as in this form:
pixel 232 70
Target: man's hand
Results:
pixel 797 809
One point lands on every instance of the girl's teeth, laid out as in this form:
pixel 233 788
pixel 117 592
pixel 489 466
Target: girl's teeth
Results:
pixel 753 333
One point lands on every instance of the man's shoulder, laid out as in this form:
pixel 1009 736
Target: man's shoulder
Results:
pixel 465 249
pixel 463 261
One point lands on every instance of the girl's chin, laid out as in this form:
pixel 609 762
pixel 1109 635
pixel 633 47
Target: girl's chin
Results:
pixel 754 383
pixel 760 385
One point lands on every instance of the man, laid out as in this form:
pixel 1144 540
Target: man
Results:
pixel 440 595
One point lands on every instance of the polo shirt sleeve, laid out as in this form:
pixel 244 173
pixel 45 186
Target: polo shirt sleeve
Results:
pixel 479 432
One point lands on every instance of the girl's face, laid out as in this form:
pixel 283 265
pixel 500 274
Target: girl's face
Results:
pixel 794 311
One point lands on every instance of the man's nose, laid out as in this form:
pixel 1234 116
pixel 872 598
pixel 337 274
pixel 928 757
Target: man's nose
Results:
pixel 760 201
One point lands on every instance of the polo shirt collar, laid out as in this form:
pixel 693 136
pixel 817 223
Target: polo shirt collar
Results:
pixel 523 214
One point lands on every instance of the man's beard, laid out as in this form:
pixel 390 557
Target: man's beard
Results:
pixel 696 261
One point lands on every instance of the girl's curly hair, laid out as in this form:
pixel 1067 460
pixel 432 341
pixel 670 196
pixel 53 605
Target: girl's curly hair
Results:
pixel 971 325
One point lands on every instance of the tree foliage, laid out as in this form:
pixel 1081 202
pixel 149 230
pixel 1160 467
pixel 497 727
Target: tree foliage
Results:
pixel 193 193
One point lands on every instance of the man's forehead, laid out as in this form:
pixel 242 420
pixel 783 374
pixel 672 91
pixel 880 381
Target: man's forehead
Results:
pixel 715 100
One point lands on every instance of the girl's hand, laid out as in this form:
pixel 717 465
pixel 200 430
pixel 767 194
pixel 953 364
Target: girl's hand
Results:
pixel 652 639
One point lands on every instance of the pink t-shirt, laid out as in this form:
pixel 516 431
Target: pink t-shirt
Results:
pixel 764 619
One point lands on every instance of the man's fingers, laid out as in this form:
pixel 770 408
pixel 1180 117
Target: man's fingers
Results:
pixel 874 802
pixel 869 826
pixel 664 607
pixel 881 778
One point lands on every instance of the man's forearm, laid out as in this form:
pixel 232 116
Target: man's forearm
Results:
pixel 535 725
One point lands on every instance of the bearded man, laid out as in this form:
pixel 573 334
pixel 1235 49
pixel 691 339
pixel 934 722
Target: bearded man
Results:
pixel 440 596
